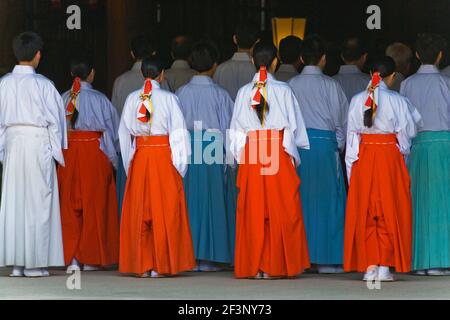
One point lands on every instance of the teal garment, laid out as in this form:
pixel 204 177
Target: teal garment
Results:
pixel 323 198
pixel 429 167
pixel 121 181
pixel 231 203
pixel 205 195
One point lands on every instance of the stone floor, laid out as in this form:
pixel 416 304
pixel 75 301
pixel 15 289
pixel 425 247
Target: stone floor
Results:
pixel 207 286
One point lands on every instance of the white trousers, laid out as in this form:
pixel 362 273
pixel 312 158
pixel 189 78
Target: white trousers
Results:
pixel 30 222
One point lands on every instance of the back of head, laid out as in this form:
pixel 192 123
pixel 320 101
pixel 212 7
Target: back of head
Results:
pixel 141 47
pixel 353 49
pixel 384 65
pixel 246 35
pixel 290 49
pixel 204 56
pixel 264 53
pixel 428 47
pixel 80 67
pixel 181 47
pixel 152 67
pixel 402 55
pixel 26 46
pixel 313 49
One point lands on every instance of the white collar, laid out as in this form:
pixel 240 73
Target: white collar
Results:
pixel 19 69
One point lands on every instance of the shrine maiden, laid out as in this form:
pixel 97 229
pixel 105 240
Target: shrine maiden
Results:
pixel 155 238
pixel 86 184
pixel 266 129
pixel 379 214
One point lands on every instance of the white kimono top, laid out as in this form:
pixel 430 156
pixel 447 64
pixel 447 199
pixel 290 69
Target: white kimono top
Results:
pixel 394 116
pixel 284 114
pixel 96 113
pixel 167 120
pixel 30 99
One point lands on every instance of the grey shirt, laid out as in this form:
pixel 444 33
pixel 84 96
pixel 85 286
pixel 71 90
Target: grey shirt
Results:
pixel 125 84
pixel 352 80
pixel 233 74
pixel 178 75
pixel 286 72
pixel 429 92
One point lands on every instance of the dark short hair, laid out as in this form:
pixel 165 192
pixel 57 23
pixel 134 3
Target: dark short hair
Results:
pixel 264 53
pixel 384 65
pixel 428 47
pixel 81 67
pixel 141 47
pixel 246 34
pixel 26 45
pixel 181 47
pixel 204 55
pixel 313 49
pixel 290 49
pixel 353 49
pixel 152 67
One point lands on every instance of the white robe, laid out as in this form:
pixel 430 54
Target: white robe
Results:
pixel 96 113
pixel 284 114
pixel 167 120
pixel 32 134
pixel 395 115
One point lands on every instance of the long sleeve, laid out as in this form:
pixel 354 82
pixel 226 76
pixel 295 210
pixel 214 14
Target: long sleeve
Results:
pixel 237 133
pixel 127 143
pixel 341 123
pixel 296 119
pixel 407 128
pixel 179 138
pixel 353 140
pixel 110 135
pixel 57 126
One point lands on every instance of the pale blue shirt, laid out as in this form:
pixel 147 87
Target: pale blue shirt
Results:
pixel 204 101
pixel 446 72
pixel 429 92
pixel 352 80
pixel 323 102
pixel 96 113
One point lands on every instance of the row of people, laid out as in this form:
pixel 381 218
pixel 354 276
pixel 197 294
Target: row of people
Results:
pixel 281 227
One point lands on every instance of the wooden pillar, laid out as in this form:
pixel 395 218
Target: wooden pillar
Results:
pixel 12 20
pixel 126 19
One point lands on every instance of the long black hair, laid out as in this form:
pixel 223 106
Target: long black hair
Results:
pixel 264 54
pixel 385 66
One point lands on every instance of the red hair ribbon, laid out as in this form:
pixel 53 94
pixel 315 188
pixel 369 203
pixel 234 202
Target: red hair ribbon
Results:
pixel 71 110
pixel 371 102
pixel 259 88
pixel 145 113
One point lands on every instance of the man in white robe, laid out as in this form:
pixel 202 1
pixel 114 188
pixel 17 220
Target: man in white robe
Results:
pixel 32 136
pixel 239 71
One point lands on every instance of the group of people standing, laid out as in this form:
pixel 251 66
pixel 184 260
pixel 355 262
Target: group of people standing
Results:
pixel 226 166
